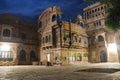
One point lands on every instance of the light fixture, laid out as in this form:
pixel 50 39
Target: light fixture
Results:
pixel 5 47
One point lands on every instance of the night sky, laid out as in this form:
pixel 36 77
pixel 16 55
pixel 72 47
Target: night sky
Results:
pixel 30 9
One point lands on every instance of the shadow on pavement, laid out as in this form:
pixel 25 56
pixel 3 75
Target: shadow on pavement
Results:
pixel 100 70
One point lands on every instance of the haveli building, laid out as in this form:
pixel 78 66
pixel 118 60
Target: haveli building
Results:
pixel 55 41
pixel 18 41
pixel 61 42
pixel 103 43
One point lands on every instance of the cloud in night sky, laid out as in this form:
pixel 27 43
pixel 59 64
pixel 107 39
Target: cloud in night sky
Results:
pixel 30 9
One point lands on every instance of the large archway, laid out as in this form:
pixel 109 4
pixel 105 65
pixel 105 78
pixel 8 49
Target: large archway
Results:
pixel 22 56
pixel 103 56
pixel 33 56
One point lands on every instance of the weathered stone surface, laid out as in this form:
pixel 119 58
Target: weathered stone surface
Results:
pixel 59 72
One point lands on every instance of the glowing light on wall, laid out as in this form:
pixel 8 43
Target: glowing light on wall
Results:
pixel 48 57
pixel 112 47
pixel 5 48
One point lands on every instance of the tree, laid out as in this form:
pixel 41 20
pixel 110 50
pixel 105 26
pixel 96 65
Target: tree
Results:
pixel 112 20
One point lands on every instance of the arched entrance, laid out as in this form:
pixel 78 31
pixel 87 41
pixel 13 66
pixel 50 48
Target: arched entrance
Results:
pixel 72 57
pixel 33 56
pixel 22 56
pixel 103 56
pixel 78 57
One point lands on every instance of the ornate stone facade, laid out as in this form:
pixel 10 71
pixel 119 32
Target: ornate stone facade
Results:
pixel 61 42
pixel 102 41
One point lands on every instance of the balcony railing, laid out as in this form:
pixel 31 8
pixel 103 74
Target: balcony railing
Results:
pixel 18 40
pixel 102 43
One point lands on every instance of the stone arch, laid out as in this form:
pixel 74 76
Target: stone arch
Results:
pixel 100 38
pixel 82 24
pixel 22 55
pixel 6 32
pixel 33 56
pixel 54 18
pixel 103 56
pixel 79 57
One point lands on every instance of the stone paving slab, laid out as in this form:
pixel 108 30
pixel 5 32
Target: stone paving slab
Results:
pixel 59 72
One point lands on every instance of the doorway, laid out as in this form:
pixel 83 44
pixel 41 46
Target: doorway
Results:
pixel 103 56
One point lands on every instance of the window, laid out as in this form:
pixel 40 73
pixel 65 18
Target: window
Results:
pixel 95 10
pixel 96 15
pixel 85 42
pixel 22 56
pixel 75 38
pixel 49 38
pixel 98 9
pixel 102 8
pixel 79 40
pixel 43 40
pixel 46 40
pixel 87 13
pixel 92 11
pixel 103 14
pixel 66 37
pixel 99 23
pixel 53 18
pixel 6 32
pixel 81 24
pixel 6 55
pixel 22 36
pixel 100 38
pixel 95 24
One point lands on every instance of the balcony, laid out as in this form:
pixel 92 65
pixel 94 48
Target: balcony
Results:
pixel 100 44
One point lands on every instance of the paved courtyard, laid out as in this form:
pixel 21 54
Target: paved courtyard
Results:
pixel 81 71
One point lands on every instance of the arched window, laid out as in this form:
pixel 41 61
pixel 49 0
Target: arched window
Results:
pixel 22 56
pixel 98 9
pixel 78 57
pixel 6 32
pixel 100 38
pixel 102 7
pixel 46 40
pixel 22 36
pixel 53 18
pixel 75 37
pixel 32 56
pixel 95 10
pixel 43 40
pixel 58 18
pixel 92 11
pixel 82 24
pixel 99 23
